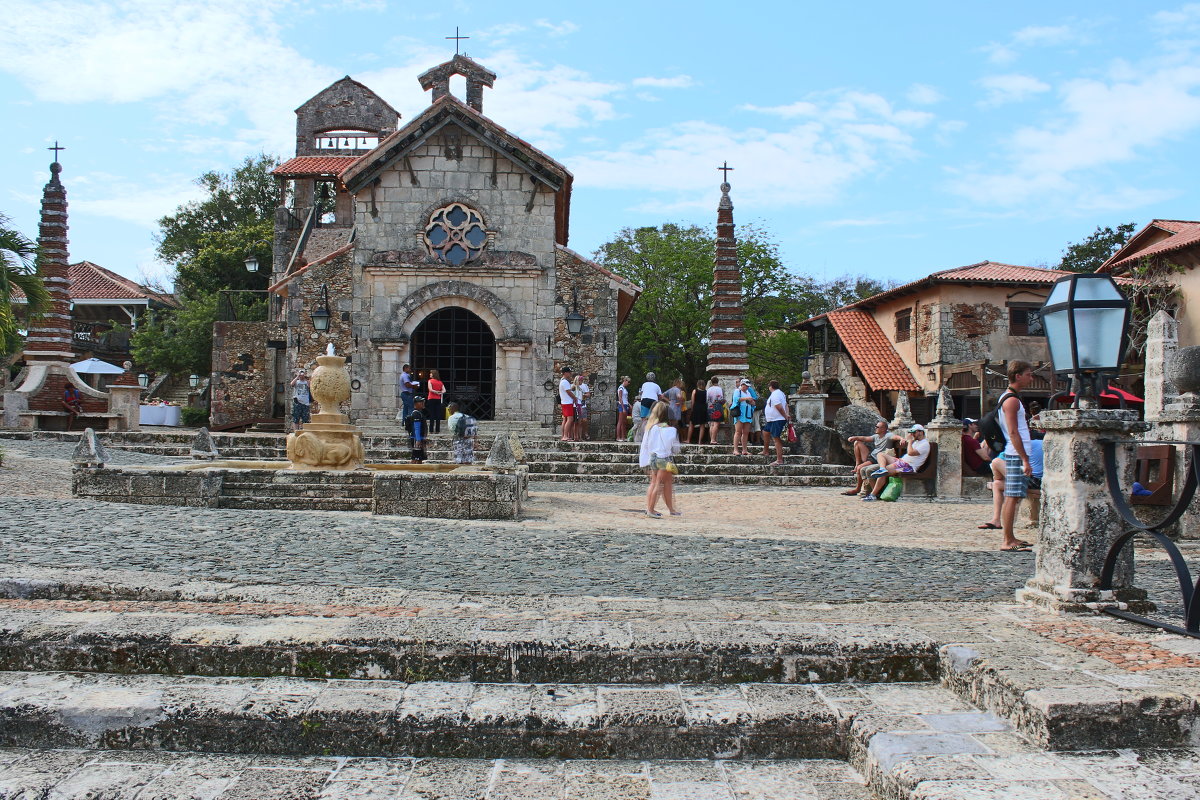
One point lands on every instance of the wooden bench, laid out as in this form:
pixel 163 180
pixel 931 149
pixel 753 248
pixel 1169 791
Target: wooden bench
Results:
pixel 102 420
pixel 927 474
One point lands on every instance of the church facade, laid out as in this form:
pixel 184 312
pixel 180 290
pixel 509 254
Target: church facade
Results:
pixel 441 243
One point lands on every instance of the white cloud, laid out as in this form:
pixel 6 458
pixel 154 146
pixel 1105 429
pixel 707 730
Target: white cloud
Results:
pixel 823 146
pixel 1011 88
pixel 677 82
pixel 141 202
pixel 922 94
pixel 1099 123
pixel 1036 36
pixel 563 28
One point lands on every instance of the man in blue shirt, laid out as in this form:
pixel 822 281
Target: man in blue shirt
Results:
pixel 417 418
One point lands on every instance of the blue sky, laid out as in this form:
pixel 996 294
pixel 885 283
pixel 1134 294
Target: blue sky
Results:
pixel 880 138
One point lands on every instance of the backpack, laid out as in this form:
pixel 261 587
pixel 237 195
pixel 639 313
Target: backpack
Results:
pixel 408 423
pixel 989 425
pixel 460 426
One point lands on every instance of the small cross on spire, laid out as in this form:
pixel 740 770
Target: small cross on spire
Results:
pixel 56 148
pixel 724 169
pixel 457 39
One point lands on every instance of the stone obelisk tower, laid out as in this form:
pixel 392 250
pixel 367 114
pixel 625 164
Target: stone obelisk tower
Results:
pixel 728 357
pixel 50 337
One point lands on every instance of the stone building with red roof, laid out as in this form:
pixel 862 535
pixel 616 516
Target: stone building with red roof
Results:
pixel 1170 248
pixel 956 327
pixel 441 243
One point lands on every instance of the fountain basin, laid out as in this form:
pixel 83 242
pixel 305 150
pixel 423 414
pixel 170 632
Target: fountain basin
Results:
pixel 449 491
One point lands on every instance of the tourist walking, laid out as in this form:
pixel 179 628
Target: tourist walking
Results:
pixel 660 443
pixel 566 401
pixel 776 417
pixel 623 409
pixel 463 430
pixel 416 430
pixel 407 392
pixel 301 400
pixel 1017 466
pixel 715 396
pixel 741 410
pixel 434 412
pixel 698 416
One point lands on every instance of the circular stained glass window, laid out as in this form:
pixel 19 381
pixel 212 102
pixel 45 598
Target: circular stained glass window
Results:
pixel 455 234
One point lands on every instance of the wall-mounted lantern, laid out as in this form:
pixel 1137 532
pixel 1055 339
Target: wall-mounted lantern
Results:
pixel 194 381
pixel 320 315
pixel 252 263
pixel 574 319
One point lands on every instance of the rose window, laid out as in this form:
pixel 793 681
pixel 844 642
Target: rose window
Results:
pixel 455 234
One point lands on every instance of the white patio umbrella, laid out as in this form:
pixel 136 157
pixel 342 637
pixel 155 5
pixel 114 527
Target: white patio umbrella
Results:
pixel 94 366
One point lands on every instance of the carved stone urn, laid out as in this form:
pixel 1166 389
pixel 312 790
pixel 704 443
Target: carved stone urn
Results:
pixel 329 441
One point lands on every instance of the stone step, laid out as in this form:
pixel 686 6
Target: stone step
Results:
pixel 537 467
pixel 429 719
pixel 684 479
pixel 77 773
pixel 214 639
pixel 257 502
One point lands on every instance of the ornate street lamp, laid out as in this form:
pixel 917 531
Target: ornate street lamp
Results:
pixel 143 380
pixel 1087 328
pixel 194 380
pixel 320 315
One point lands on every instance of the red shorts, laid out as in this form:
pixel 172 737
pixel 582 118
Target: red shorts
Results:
pixel 568 409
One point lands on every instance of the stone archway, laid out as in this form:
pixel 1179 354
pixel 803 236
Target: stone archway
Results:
pixel 461 346
pixel 413 309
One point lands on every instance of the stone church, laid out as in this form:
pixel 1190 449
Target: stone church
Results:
pixel 441 243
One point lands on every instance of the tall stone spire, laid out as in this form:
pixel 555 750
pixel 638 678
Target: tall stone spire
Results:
pixel 50 337
pixel 728 356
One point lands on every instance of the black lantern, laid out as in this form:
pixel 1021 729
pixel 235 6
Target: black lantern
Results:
pixel 574 319
pixel 1086 319
pixel 320 315
pixel 193 380
pixel 252 263
pixel 794 388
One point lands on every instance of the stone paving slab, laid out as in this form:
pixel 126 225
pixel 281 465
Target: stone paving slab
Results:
pixel 289 716
pixel 70 774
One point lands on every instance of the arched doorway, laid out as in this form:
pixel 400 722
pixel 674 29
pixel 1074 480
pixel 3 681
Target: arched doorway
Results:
pixel 462 348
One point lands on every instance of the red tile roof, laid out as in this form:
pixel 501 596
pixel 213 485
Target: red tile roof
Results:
pixel 93 282
pixel 314 165
pixel 1183 233
pixel 873 354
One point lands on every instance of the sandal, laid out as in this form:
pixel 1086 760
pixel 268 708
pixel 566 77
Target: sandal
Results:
pixel 987 526
pixel 1016 548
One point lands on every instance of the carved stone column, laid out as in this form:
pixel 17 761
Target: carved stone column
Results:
pixel 1079 522
pixel 945 430
pixel 903 418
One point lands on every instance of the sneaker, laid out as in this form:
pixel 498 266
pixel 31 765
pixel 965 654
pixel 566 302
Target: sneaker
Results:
pixel 879 473
pixel 869 498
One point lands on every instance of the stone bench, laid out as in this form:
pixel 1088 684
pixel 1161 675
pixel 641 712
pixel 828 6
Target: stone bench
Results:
pixel 101 420
pixel 927 474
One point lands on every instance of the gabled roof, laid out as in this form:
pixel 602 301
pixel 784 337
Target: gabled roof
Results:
pixel 314 166
pixel 450 110
pixel 361 88
pixel 873 354
pixel 94 284
pixel 1159 237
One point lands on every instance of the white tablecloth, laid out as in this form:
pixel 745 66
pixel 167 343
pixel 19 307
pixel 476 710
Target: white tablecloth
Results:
pixel 160 415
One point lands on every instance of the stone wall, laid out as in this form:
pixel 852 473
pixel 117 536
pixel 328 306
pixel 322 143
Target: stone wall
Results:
pixel 199 489
pixel 305 342
pixel 465 495
pixel 594 351
pixel 243 377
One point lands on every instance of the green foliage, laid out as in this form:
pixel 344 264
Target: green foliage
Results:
pixel 667 329
pixel 1092 252
pixel 17 271
pixel 220 261
pixel 1155 290
pixel 194 417
pixel 177 340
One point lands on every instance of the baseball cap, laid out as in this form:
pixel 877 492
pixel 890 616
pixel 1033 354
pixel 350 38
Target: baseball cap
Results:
pixel 917 427
pixel 968 421
pixel 744 382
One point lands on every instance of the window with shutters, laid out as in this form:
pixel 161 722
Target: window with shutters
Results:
pixel 904 325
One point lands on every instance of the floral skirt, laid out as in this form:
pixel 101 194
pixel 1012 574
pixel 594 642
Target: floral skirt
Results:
pixel 464 451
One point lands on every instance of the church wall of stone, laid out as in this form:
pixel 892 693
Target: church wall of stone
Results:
pixel 594 351
pixel 243 372
pixel 305 295
pixel 511 286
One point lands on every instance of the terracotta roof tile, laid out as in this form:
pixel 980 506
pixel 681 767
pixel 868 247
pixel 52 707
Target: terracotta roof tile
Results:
pixel 93 282
pixel 315 165
pixel 1184 233
pixel 873 354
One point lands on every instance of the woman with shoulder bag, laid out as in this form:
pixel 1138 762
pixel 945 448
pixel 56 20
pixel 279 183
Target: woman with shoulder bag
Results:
pixel 660 443
pixel 698 419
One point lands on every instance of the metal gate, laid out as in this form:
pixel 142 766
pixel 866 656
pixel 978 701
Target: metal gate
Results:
pixel 462 348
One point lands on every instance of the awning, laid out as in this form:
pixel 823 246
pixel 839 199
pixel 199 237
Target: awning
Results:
pixel 1109 398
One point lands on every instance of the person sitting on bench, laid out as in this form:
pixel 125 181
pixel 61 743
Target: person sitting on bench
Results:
pixel 72 401
pixel 915 453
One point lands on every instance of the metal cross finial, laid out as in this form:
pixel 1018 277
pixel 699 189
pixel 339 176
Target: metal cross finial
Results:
pixel 724 169
pixel 457 39
pixel 56 148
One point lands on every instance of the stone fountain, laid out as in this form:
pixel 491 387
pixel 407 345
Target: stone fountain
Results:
pixel 329 442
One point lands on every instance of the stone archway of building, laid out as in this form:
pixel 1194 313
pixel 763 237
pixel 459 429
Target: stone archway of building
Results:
pixel 462 348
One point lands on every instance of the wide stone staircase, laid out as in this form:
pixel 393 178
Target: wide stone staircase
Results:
pixel 115 689
pixel 549 459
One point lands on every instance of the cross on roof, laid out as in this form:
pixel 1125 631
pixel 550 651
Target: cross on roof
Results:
pixel 56 148
pixel 457 39
pixel 724 169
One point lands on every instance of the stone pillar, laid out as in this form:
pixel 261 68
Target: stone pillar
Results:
pixel 809 407
pixel 945 430
pixel 1162 339
pixel 126 401
pixel 1179 420
pixel 1079 522
pixel 903 419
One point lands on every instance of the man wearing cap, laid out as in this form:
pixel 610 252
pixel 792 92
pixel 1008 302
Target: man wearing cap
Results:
pixel 917 450
pixel 977 456
pixel 566 398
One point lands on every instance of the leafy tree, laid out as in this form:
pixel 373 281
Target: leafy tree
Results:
pixel 1088 255
pixel 17 271
pixel 220 261
pixel 180 340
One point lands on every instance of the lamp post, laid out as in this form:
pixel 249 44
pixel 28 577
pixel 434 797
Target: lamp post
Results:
pixel 1086 319
pixel 143 380
pixel 252 263
pixel 194 380
pixel 320 315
